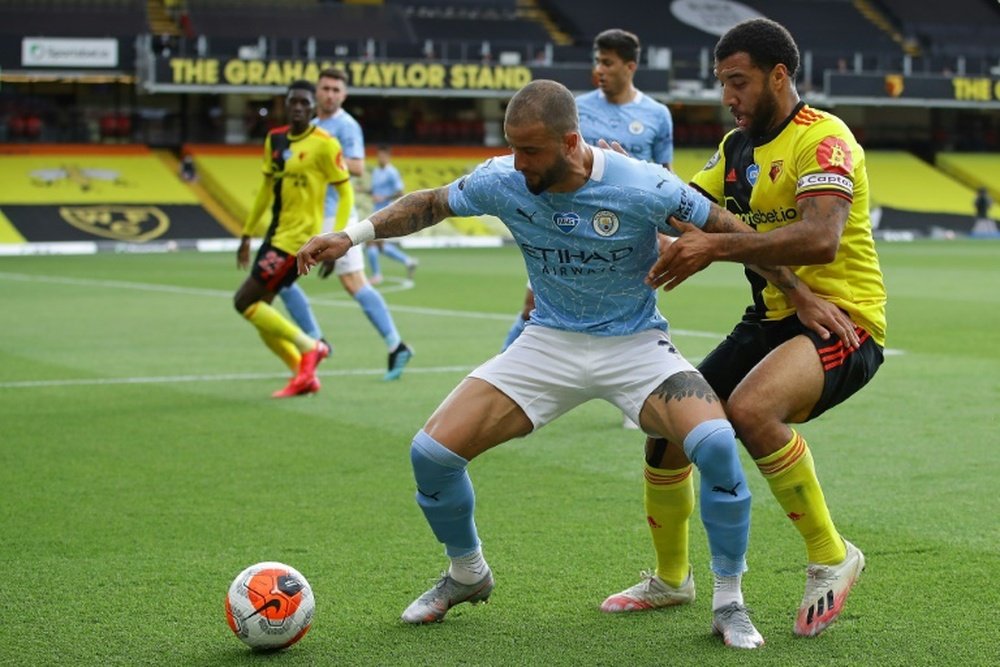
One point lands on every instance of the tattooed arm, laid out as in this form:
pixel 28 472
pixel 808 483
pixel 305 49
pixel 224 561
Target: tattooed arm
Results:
pixel 812 240
pixel 673 267
pixel 404 216
pixel 411 213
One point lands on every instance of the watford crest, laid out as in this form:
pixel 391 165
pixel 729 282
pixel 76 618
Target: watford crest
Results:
pixel 121 223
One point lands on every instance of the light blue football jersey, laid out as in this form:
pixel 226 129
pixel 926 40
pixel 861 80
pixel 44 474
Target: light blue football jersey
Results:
pixel 586 252
pixel 643 126
pixel 386 181
pixel 348 132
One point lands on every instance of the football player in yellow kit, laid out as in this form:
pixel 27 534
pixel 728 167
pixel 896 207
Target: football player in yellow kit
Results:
pixel 797 176
pixel 300 159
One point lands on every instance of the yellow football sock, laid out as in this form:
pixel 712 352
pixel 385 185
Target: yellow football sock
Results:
pixel 285 350
pixel 669 503
pixel 269 321
pixel 791 473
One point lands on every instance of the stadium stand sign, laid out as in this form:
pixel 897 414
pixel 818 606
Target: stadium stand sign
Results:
pixel 389 77
pixel 68 52
pixel 931 91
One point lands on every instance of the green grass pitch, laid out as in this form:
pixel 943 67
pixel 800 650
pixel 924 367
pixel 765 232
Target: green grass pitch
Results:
pixel 143 465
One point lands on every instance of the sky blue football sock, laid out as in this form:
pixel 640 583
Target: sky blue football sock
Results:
pixel 372 252
pixel 444 493
pixel 377 312
pixel 392 251
pixel 515 331
pixel 724 496
pixel 297 304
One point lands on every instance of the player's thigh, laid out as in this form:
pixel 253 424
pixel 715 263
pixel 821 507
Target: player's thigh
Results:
pixel 733 358
pixel 476 416
pixel 783 387
pixel 678 404
pixel 544 372
pixel 648 378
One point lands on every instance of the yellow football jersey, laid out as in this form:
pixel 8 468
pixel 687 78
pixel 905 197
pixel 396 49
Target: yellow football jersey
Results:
pixel 302 166
pixel 812 153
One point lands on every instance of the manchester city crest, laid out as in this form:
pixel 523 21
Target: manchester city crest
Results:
pixel 636 127
pixel 605 222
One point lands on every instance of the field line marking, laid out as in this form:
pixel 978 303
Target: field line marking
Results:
pixel 220 377
pixel 338 303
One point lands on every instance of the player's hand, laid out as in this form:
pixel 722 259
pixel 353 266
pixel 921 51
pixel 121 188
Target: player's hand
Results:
pixel 321 248
pixel 614 145
pixel 687 255
pixel 243 254
pixel 663 242
pixel 824 318
pixel 326 268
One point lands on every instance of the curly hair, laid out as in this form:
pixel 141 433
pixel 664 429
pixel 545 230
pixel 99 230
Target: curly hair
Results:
pixel 767 43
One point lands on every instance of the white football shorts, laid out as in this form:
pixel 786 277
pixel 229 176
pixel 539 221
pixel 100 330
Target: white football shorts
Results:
pixel 548 372
pixel 354 259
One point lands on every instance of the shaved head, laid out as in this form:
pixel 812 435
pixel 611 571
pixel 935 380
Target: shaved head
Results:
pixel 543 101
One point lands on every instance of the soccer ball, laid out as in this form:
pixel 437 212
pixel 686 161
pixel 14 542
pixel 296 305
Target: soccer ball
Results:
pixel 270 606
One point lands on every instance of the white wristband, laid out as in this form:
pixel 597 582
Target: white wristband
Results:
pixel 360 232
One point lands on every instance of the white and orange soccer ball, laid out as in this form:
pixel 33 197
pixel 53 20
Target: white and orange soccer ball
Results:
pixel 270 606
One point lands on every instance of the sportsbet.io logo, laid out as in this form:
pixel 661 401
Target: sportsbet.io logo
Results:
pixel 121 223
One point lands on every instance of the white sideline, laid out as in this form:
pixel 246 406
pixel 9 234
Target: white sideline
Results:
pixel 338 303
pixel 197 291
pixel 221 377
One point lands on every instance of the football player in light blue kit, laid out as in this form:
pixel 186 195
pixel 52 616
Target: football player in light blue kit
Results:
pixel 616 111
pixel 331 91
pixel 586 221
pixel 387 186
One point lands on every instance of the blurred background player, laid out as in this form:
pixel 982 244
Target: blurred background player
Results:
pixel 616 111
pixel 983 224
pixel 300 160
pixel 331 91
pixel 386 186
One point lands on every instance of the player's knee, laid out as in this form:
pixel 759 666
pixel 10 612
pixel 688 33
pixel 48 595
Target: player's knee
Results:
pixel 656 450
pixel 242 304
pixel 439 473
pixel 747 420
pixel 711 445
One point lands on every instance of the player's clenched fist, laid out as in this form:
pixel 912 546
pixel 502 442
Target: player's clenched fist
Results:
pixel 321 248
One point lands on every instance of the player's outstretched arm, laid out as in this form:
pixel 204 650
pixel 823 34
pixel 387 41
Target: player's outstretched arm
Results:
pixel 814 239
pixel 403 217
pixel 672 268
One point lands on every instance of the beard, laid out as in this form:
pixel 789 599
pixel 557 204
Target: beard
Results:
pixel 763 115
pixel 547 178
